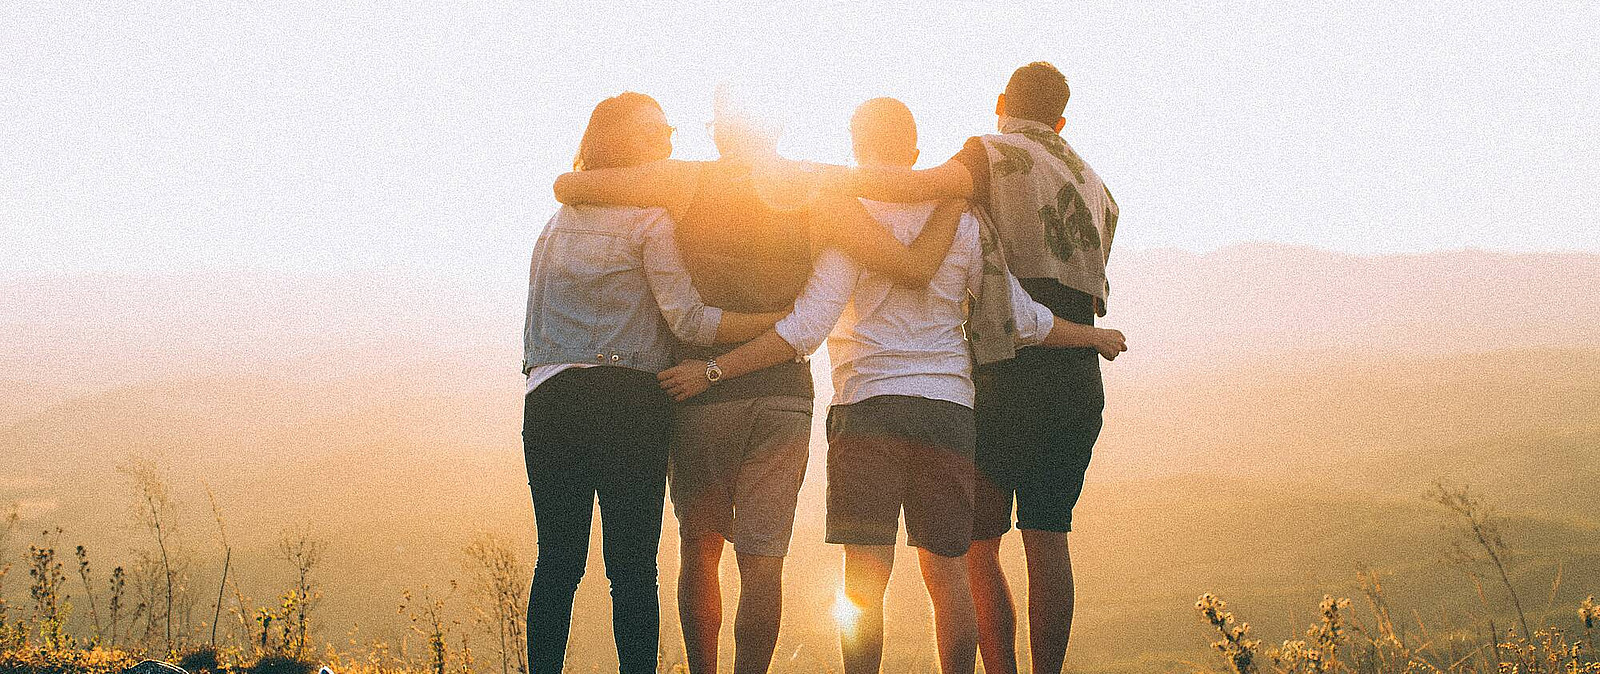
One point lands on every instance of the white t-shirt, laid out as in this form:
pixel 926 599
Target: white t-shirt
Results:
pixel 540 374
pixel 891 340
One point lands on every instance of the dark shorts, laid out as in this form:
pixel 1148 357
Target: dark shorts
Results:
pixel 891 452
pixel 1038 416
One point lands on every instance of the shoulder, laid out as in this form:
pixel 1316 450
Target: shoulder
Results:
pixel 904 220
pixel 968 231
pixel 973 152
pixel 613 218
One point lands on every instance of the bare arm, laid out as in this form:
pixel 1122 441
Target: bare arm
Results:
pixel 949 180
pixel 1064 333
pixel 1037 326
pixel 801 332
pixel 669 183
pixel 737 327
pixel 841 222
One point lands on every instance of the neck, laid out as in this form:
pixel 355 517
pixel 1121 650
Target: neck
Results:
pixel 1014 124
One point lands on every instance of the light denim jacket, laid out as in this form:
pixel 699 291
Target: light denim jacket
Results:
pixel 607 287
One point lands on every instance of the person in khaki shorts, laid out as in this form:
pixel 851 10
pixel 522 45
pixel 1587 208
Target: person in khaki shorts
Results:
pixel 736 470
pixel 901 428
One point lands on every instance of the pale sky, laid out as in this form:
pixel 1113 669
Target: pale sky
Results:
pixel 322 136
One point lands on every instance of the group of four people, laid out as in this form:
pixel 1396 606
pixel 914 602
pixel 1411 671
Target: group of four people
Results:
pixel 671 307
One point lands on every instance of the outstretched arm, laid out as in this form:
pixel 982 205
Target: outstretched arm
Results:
pixel 1037 326
pixel 841 222
pixel 737 327
pixel 950 180
pixel 688 379
pixel 801 332
pixel 669 183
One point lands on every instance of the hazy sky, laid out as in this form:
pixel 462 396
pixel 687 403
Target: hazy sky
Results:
pixel 327 136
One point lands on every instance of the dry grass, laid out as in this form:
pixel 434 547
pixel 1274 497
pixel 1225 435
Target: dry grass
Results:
pixel 477 626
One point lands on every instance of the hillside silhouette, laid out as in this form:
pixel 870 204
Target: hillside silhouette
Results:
pixel 1278 422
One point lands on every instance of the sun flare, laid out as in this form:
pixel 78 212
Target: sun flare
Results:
pixel 845 612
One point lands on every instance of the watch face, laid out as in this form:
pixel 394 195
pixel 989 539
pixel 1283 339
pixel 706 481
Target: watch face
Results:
pixel 713 373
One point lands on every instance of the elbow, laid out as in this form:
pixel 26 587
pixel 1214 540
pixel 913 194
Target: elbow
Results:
pixel 696 337
pixel 917 278
pixel 563 188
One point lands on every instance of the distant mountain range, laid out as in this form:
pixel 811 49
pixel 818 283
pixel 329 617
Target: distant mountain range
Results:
pixel 1278 417
pixel 1179 309
pixel 1186 308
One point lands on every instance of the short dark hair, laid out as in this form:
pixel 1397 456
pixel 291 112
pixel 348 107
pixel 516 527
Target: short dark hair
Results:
pixel 1037 92
pixel 884 128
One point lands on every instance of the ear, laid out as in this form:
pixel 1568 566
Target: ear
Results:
pixel 1061 123
pixel 914 154
pixel 1000 105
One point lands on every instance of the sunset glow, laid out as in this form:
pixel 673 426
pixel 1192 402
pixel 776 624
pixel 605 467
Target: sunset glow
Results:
pixel 294 332
pixel 845 612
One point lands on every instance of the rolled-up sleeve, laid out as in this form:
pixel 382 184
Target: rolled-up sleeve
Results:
pixel 819 306
pixel 686 312
pixel 1033 319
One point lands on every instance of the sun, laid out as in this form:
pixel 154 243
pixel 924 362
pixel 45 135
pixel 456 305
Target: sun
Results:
pixel 845 612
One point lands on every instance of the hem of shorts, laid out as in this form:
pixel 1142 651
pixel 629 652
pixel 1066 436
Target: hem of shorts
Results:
pixel 1055 529
pixel 986 536
pixel 768 550
pixel 846 540
pixel 941 553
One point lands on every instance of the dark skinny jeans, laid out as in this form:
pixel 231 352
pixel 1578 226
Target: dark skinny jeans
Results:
pixel 586 432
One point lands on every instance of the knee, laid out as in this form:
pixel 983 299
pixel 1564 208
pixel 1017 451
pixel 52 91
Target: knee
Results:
pixel 632 574
pixel 984 553
pixel 761 575
pixel 701 553
pixel 558 571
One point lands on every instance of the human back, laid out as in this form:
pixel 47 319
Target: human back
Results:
pixel 588 298
pixel 907 339
pixel 744 253
pixel 745 238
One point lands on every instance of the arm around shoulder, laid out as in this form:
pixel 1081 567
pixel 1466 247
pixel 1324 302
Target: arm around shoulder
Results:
pixel 950 180
pixel 842 223
pixel 669 183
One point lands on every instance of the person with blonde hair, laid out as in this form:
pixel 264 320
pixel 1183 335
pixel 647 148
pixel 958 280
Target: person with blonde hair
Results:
pixel 607 295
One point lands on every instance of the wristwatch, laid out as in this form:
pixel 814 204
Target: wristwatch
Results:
pixel 713 371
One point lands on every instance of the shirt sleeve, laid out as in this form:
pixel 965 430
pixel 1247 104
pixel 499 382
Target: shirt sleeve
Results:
pixel 975 157
pixel 1033 319
pixel 686 313
pixel 819 306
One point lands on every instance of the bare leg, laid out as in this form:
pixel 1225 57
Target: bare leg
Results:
pixel 700 601
pixel 1050 598
pixel 755 628
pixel 955 624
pixel 866 577
pixel 997 616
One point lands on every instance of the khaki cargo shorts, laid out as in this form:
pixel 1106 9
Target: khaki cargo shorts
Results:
pixel 735 469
